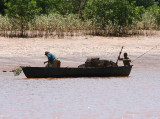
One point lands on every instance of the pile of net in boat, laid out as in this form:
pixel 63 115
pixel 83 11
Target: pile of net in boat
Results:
pixel 96 62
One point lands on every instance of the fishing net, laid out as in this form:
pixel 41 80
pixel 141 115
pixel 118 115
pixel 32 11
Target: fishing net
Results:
pixel 17 71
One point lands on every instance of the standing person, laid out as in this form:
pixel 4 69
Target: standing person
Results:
pixel 53 60
pixel 126 59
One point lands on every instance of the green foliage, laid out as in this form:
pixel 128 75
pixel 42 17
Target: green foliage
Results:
pixel 139 11
pixel 61 6
pixel 114 12
pixel 145 3
pixel 5 24
pixel 150 18
pixel 101 17
pixel 79 6
pixel 59 23
pixel 45 25
pixel 155 11
pixel 2 7
pixel 22 11
pixel 44 6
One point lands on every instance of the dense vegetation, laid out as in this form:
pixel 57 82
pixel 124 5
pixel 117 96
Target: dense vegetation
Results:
pixel 69 17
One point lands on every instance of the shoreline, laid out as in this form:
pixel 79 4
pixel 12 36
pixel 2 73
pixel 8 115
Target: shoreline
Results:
pixel 73 51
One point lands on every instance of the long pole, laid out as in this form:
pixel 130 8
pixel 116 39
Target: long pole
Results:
pixel 146 52
pixel 119 54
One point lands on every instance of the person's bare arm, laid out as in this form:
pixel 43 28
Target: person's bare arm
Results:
pixel 45 62
pixel 120 58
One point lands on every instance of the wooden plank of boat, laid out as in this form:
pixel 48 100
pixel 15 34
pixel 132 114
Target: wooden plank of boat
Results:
pixel 43 72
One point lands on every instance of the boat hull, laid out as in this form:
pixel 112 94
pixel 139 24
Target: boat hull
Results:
pixel 42 72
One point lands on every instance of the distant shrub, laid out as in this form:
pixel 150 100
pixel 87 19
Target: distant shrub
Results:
pixel 114 14
pixel 45 25
pixel 150 19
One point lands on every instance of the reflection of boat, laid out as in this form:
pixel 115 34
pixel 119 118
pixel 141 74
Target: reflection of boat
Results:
pixel 42 72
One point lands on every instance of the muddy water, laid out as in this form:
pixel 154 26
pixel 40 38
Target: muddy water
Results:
pixel 134 97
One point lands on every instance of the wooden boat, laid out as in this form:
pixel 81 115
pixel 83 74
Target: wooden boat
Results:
pixel 43 72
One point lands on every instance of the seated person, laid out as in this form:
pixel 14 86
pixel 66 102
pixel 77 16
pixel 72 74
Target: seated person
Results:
pixel 53 61
pixel 126 59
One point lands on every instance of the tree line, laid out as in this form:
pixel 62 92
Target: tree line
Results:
pixel 97 17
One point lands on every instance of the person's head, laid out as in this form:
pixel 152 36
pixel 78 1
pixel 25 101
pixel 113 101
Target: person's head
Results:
pixel 46 52
pixel 125 55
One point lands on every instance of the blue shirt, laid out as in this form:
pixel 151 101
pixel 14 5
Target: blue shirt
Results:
pixel 51 57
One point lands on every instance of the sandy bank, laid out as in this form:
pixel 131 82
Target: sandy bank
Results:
pixel 74 50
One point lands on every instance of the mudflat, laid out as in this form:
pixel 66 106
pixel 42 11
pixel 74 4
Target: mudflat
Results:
pixel 73 51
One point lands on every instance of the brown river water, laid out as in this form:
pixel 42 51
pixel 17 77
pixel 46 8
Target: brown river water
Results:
pixel 133 97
